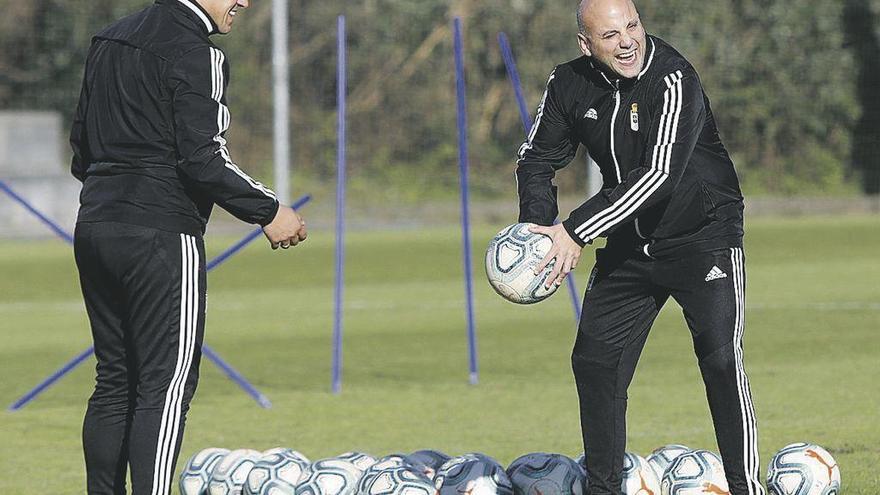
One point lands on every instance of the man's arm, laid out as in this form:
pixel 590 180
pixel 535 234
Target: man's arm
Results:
pixel 78 143
pixel 548 148
pixel 198 81
pixel 673 136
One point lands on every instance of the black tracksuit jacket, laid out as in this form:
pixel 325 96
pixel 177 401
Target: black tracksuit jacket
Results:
pixel 669 185
pixel 148 134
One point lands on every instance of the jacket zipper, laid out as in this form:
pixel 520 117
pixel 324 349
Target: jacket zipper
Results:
pixel 614 155
pixel 614 121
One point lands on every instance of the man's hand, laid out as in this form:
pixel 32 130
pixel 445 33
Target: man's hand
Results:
pixel 565 250
pixel 287 228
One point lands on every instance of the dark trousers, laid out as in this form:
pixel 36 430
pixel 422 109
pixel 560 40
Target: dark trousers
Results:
pixel 144 291
pixel 623 298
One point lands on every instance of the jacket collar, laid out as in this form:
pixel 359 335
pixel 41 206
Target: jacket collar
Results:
pixel 193 11
pixel 618 82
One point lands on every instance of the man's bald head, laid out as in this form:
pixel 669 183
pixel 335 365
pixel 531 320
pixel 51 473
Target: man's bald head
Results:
pixel 588 9
pixel 612 34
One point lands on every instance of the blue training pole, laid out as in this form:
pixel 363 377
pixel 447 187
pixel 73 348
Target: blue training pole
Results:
pixel 465 199
pixel 513 74
pixel 336 379
pixel 241 244
pixel 237 377
pixel 54 377
pixel 60 232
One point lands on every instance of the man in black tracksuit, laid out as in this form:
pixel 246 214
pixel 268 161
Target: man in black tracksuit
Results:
pixel 672 211
pixel 149 147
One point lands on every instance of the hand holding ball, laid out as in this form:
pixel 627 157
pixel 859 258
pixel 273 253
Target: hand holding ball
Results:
pixel 511 259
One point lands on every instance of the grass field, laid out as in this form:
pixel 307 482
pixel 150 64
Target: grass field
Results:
pixel 812 352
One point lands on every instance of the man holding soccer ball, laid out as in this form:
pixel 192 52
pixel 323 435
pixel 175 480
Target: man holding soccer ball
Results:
pixel 672 211
pixel 149 147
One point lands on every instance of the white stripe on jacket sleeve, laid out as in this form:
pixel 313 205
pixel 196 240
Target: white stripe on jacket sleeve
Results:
pixel 655 177
pixel 223 118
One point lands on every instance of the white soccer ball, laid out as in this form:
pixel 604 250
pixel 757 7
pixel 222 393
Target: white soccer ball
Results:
pixel 360 460
pixel 472 474
pixel 803 469
pixel 230 474
pixel 662 457
pixel 197 471
pixel 277 473
pixel 638 476
pixel 399 480
pixel 387 462
pixel 333 476
pixel 695 473
pixel 546 474
pixel 288 453
pixel 511 259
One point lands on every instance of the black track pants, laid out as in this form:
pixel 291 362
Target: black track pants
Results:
pixel 623 298
pixel 144 291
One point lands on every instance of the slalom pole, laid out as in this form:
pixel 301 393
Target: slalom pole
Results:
pixel 244 241
pixel 54 377
pixel 465 198
pixel 336 379
pixel 513 74
pixel 80 358
pixel 237 377
pixel 60 232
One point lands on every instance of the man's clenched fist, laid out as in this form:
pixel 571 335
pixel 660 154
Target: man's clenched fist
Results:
pixel 287 228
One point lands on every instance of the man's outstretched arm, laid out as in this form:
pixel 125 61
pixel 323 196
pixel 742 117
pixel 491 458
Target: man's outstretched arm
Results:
pixel 198 81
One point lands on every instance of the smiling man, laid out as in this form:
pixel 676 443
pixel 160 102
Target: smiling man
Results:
pixel 149 145
pixel 672 212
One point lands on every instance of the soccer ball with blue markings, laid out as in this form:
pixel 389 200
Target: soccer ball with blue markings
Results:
pixel 277 473
pixel 359 460
pixel 803 469
pixel 546 474
pixel 431 459
pixel 697 472
pixel 387 462
pixel 229 475
pixel 472 474
pixel 662 457
pixel 197 471
pixel 333 476
pixel 638 476
pixel 399 480
pixel 511 259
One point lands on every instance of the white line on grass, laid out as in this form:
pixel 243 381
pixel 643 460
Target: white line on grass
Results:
pixel 367 305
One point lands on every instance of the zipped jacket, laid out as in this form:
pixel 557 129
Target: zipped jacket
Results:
pixel 148 136
pixel 669 185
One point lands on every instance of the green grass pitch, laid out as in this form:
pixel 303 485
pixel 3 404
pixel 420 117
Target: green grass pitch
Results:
pixel 812 352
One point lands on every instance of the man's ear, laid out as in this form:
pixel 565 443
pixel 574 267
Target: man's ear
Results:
pixel 584 44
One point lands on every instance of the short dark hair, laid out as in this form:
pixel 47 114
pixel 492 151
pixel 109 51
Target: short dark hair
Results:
pixel 582 26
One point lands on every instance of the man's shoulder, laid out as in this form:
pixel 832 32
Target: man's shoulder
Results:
pixel 572 77
pixel 667 59
pixel 573 69
pixel 126 28
pixel 155 30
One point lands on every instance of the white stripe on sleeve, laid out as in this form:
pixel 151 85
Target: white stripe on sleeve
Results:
pixel 223 118
pixel 652 180
pixel 526 146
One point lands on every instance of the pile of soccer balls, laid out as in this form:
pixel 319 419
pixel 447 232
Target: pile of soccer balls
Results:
pixel 798 469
